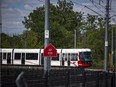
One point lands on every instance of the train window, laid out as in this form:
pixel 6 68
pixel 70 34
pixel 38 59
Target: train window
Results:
pixel 74 57
pixel 9 55
pixel 17 56
pixel 32 56
pixel 85 56
pixel 42 59
pixel 56 58
pixel 66 56
pixel 4 55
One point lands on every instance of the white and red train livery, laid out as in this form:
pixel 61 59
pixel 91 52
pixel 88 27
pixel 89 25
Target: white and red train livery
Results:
pixel 65 57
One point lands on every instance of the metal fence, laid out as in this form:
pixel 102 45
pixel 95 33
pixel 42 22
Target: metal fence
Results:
pixel 58 77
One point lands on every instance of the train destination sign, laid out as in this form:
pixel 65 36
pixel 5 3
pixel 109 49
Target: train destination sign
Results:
pixel 50 51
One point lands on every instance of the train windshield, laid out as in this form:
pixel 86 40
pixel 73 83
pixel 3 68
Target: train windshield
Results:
pixel 85 56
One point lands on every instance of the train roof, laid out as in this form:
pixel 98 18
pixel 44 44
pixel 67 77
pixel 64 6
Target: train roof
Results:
pixel 27 50
pixel 6 50
pixel 38 50
pixel 75 50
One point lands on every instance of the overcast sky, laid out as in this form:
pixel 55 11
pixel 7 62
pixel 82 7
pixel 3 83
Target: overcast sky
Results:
pixel 13 11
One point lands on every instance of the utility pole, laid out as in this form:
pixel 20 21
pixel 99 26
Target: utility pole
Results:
pixel 106 37
pixel 47 61
pixel 25 39
pixel 115 50
pixel 46 38
pixel 75 38
pixel 112 46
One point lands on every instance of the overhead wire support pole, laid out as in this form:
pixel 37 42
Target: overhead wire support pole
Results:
pixel 75 40
pixel 112 46
pixel 106 38
pixel 46 32
pixel 46 41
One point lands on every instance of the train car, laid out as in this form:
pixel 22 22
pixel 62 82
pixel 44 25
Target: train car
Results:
pixel 26 56
pixel 65 57
pixel 77 57
pixel 6 55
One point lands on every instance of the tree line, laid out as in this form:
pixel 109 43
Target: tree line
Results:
pixel 90 30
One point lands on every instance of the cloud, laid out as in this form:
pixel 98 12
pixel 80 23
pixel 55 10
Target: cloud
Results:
pixel 10 1
pixel 13 11
pixel 28 7
pixel 4 5
pixel 12 20
pixel 21 12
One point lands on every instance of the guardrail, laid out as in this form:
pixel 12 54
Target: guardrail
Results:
pixel 58 77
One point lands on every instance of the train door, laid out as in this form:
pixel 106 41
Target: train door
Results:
pixel 41 59
pixel 73 59
pixel 66 59
pixel 9 58
pixel 4 58
pixel 6 55
pixel 23 58
pixel 70 59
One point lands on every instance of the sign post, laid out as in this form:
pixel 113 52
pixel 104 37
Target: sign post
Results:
pixel 46 42
pixel 46 33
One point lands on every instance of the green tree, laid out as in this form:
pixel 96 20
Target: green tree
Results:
pixel 6 41
pixel 63 21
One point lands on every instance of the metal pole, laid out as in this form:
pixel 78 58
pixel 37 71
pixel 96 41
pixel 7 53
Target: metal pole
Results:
pixel 114 57
pixel 75 38
pixel 46 38
pixel 46 41
pixel 106 38
pixel 26 39
pixel 0 47
pixel 112 46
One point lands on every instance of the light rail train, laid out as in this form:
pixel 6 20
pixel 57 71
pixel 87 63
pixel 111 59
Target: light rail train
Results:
pixel 65 57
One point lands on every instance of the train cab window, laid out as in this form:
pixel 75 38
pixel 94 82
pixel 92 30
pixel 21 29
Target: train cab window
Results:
pixel 17 56
pixel 56 58
pixel 85 56
pixel 4 55
pixel 32 56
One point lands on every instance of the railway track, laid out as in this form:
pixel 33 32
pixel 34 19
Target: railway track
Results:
pixel 54 67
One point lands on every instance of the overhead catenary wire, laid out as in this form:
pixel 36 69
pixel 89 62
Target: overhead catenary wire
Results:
pixel 86 7
pixel 97 6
